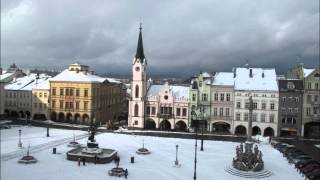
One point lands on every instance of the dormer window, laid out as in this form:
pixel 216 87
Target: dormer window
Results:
pixel 290 85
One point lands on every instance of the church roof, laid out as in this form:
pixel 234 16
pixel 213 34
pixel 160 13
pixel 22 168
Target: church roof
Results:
pixel 140 53
pixel 178 91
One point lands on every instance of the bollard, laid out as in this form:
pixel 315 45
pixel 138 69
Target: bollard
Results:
pixel 132 159
pixel 54 150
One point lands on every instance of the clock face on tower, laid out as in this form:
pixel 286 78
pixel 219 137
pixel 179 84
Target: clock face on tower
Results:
pixel 137 69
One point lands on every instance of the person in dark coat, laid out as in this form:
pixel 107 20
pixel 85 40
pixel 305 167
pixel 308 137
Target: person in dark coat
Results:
pixel 84 161
pixel 126 173
pixel 95 159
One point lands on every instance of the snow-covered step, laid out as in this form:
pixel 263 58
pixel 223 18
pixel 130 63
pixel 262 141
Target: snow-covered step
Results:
pixel 248 174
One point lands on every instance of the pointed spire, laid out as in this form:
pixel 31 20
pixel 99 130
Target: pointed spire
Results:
pixel 140 53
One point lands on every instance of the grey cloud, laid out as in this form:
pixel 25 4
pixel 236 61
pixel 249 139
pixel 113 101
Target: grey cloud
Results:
pixel 180 37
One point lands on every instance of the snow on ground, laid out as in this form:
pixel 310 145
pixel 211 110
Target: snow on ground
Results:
pixel 156 166
pixel 31 135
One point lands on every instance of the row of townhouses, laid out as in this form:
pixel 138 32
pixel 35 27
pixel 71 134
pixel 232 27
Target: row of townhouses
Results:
pixel 219 102
pixel 75 95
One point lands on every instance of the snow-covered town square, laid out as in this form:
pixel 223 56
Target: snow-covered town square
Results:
pixel 160 90
pixel 158 165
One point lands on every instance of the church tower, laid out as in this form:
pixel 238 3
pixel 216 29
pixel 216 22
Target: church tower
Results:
pixel 138 87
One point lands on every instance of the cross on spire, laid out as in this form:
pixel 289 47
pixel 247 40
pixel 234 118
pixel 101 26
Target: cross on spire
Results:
pixel 140 53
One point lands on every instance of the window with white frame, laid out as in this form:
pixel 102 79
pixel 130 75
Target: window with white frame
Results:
pixel 246 116
pixel 215 111
pixel 254 117
pixel 238 116
pixel 221 97
pixel 221 112
pixel 216 96
pixel 263 117
pixel 271 118
pixel 228 97
pixel 227 112
pixel 238 105
pixel 272 106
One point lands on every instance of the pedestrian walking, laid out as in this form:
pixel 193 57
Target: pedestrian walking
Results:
pixel 84 161
pixel 95 159
pixel 126 173
pixel 78 161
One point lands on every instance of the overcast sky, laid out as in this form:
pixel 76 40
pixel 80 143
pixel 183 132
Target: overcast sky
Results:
pixel 180 37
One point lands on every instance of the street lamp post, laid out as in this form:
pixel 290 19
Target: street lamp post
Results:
pixel 195 156
pixel 20 143
pixel 249 138
pixel 195 146
pixel 201 149
pixel 48 130
pixel 176 162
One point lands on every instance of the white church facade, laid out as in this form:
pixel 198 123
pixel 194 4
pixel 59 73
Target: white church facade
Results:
pixel 151 106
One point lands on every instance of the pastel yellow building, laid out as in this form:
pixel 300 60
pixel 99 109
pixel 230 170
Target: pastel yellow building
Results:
pixel 40 100
pixel 79 96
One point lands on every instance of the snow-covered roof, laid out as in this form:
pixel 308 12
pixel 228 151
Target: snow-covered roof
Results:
pixel 223 79
pixel 5 75
pixel 243 81
pixel 307 72
pixel 79 76
pixel 26 82
pixel 113 80
pixel 41 84
pixel 206 75
pixel 21 82
pixel 34 84
pixel 178 91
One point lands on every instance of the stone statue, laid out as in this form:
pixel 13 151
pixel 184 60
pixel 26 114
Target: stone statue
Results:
pixel 249 160
pixel 91 137
pixel 241 147
pixel 256 150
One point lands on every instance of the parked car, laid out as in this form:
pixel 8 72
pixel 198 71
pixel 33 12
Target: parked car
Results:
pixel 304 163
pixel 310 168
pixel 313 174
pixel 300 158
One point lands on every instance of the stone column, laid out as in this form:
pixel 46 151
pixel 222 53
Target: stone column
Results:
pixel 249 134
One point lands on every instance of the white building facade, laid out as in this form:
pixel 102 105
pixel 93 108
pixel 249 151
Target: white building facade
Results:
pixel 262 85
pixel 155 106
pixel 138 88
pixel 167 107
pixel 18 95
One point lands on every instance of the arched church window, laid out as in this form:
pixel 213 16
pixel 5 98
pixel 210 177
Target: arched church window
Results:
pixel 136 110
pixel 137 91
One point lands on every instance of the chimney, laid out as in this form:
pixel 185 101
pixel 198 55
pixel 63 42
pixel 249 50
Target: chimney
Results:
pixel 250 73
